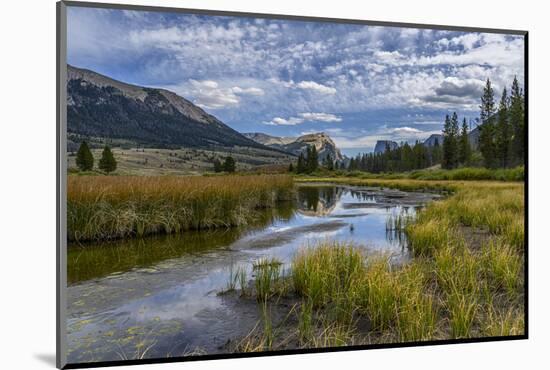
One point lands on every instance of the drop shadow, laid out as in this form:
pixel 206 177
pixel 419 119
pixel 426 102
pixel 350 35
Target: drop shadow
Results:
pixel 47 358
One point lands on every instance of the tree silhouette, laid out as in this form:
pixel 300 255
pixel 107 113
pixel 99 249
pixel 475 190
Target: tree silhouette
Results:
pixel 107 162
pixel 84 157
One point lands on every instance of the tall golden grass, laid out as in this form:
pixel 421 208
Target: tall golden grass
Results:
pixel 466 279
pixel 108 207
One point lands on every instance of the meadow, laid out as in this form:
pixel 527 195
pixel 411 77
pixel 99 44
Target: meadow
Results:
pixel 457 174
pixel 110 207
pixel 466 279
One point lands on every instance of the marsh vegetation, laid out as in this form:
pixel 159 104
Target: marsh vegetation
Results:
pixel 281 262
pixel 110 207
pixel 465 280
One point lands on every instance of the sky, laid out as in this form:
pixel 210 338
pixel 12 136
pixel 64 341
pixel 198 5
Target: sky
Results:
pixel 356 83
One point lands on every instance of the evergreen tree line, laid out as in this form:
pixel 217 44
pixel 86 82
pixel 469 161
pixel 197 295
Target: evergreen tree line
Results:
pixel 502 130
pixel 501 140
pixel 309 162
pixel 85 159
pixel 403 158
pixel 456 144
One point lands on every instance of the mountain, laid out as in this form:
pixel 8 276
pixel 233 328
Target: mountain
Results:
pixel 381 145
pixel 473 138
pixel 99 106
pixel 323 143
pixel 269 140
pixel 432 140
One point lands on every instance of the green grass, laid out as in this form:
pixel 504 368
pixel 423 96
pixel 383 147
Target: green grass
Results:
pixel 268 278
pixel 465 280
pixel 109 207
pixel 458 174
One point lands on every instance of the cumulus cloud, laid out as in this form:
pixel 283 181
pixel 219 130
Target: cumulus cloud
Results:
pixel 320 117
pixel 405 130
pixel 208 94
pixel 304 117
pixel 285 121
pixel 248 91
pixel 460 87
pixel 312 85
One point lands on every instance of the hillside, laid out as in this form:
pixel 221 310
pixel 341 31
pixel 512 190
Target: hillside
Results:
pixel 98 106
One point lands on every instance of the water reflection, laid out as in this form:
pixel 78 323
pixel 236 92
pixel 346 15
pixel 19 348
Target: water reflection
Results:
pixel 89 260
pixel 167 285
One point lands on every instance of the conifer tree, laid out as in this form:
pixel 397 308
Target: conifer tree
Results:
pixel 301 166
pixel 84 157
pixel 450 145
pixel 107 162
pixel 487 129
pixel 229 164
pixel 290 168
pixel 503 133
pixel 312 159
pixel 465 151
pixel 517 121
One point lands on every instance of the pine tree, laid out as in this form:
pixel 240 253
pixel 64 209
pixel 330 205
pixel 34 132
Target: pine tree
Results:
pixel 312 159
pixel 84 157
pixel 450 145
pixel 107 162
pixel 487 145
pixel 290 168
pixel 229 164
pixel 503 133
pixel 465 151
pixel 517 121
pixel 301 166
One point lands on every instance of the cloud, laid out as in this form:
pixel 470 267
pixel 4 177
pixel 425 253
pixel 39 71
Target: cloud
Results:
pixel 320 117
pixel 304 85
pixel 285 122
pixel 248 91
pixel 248 69
pixel 454 86
pixel 304 117
pixel 405 130
pixel 208 94
pixel 312 85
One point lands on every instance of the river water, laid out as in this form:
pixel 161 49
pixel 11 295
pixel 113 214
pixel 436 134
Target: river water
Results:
pixel 159 296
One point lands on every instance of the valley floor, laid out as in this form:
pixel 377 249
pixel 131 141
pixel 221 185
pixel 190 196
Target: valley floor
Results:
pixel 465 281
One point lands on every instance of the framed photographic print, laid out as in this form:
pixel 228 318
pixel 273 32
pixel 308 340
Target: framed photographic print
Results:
pixel 235 184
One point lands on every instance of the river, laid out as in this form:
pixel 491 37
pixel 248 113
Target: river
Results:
pixel 160 296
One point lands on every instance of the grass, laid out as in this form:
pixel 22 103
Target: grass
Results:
pixel 465 280
pixel 458 174
pixel 268 278
pixel 110 207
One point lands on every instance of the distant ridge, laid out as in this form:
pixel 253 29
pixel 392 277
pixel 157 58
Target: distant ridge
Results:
pixel 99 106
pixel 295 145
pixel 381 146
